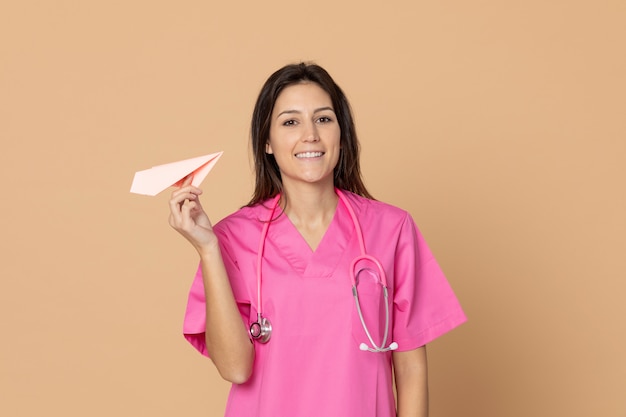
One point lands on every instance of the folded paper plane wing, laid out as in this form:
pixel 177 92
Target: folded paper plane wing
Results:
pixel 156 179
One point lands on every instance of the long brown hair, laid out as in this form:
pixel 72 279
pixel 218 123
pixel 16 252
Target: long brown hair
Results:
pixel 268 182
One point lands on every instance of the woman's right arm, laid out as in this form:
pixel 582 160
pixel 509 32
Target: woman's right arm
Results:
pixel 227 338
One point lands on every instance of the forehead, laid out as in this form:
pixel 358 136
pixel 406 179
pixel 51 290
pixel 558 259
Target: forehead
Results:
pixel 302 95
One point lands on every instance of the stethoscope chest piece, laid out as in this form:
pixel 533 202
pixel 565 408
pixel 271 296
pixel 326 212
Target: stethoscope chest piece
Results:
pixel 261 330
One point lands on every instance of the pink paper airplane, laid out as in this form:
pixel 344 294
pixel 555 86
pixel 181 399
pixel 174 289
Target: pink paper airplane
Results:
pixel 156 179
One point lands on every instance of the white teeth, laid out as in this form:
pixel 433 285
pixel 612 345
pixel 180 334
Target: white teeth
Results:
pixel 309 154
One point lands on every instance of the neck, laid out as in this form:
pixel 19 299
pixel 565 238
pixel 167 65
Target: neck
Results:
pixel 312 205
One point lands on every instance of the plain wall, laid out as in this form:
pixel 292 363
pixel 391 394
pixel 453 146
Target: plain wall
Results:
pixel 500 125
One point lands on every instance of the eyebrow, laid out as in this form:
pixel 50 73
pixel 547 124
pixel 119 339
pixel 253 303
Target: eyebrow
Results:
pixel 298 111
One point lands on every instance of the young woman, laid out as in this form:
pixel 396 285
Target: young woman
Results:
pixel 289 300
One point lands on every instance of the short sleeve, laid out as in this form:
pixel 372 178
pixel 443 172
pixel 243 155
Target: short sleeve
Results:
pixel 425 306
pixel 194 323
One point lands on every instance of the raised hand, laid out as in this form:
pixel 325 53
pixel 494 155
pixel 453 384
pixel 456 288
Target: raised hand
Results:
pixel 189 218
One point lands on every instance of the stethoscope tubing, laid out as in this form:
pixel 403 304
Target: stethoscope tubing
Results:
pixel 375 347
pixel 262 328
pixel 259 260
pixel 355 292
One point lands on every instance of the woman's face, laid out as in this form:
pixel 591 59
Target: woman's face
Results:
pixel 304 135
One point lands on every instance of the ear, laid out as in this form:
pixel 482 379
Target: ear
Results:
pixel 268 148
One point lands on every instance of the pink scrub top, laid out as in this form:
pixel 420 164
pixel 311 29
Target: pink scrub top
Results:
pixel 312 365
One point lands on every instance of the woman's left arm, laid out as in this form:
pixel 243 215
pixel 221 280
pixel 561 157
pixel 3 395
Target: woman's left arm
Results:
pixel 411 374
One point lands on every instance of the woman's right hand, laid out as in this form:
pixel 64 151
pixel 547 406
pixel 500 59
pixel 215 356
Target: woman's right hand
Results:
pixel 226 335
pixel 189 218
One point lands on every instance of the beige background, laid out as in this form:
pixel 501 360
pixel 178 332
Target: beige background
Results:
pixel 498 124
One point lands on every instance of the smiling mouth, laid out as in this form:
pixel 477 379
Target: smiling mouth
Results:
pixel 309 154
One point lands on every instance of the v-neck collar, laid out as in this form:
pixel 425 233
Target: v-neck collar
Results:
pixel 296 251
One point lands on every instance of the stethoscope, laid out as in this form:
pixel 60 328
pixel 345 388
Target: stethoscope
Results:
pixel 261 329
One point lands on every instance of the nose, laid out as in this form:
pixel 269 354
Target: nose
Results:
pixel 311 134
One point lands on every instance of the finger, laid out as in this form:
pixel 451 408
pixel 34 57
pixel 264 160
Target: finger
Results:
pixel 175 216
pixel 185 212
pixel 182 195
pixel 185 190
pixel 173 221
pixel 180 215
pixel 187 180
pixel 176 202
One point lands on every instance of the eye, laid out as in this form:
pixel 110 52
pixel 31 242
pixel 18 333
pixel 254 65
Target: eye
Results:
pixel 289 122
pixel 324 119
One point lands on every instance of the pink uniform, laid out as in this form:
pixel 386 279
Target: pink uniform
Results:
pixel 312 365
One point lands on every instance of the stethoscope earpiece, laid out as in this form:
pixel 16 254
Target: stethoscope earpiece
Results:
pixel 365 348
